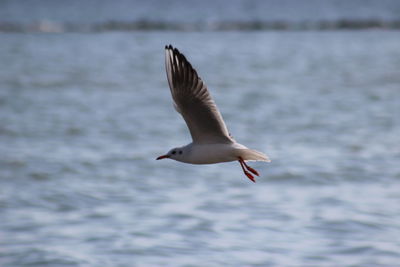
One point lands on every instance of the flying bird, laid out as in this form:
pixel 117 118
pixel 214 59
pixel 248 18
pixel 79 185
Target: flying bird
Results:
pixel 212 142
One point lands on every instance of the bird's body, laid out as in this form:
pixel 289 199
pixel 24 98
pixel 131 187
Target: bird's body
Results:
pixel 215 153
pixel 212 142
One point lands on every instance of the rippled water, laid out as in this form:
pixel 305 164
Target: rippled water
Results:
pixel 83 116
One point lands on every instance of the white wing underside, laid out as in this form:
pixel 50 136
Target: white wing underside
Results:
pixel 193 100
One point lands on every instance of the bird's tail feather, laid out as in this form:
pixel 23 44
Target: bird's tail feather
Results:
pixel 251 154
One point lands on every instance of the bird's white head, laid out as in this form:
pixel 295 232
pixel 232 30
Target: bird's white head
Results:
pixel 176 153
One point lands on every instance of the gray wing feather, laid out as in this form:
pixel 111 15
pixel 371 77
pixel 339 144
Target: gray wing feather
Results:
pixel 193 101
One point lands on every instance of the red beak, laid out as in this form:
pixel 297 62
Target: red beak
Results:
pixel 162 157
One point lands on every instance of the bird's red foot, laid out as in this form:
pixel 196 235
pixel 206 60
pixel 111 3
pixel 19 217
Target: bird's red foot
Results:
pixel 252 170
pixel 248 167
pixel 251 177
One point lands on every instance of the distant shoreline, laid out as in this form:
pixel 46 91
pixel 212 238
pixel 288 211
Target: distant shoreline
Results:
pixel 150 25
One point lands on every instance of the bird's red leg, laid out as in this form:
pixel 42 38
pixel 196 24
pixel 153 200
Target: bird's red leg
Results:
pixel 248 167
pixel 251 177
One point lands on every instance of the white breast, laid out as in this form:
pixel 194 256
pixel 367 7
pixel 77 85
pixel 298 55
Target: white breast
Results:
pixel 212 153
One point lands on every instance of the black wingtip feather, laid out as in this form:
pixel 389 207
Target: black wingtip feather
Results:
pixel 176 51
pixel 181 58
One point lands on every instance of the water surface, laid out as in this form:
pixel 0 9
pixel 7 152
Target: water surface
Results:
pixel 83 117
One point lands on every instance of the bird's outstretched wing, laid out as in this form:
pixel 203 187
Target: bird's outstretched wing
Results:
pixel 193 100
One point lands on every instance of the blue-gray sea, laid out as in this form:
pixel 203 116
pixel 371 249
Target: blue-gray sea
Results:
pixel 84 115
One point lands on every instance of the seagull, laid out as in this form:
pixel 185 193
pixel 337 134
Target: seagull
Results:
pixel 211 141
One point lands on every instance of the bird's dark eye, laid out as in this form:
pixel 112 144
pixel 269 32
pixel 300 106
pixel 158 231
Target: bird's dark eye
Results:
pixel 173 152
pixel 180 152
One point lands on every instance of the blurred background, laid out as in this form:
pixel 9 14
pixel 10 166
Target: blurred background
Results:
pixel 85 109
